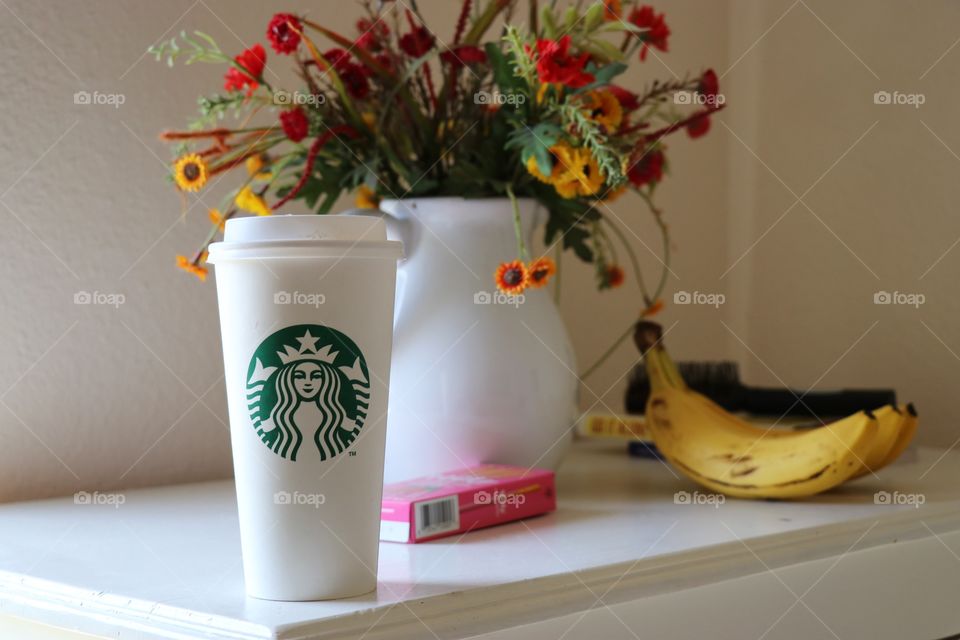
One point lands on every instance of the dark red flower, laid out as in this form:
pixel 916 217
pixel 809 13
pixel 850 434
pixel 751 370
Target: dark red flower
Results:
pixel 295 124
pixel 417 42
pixel 555 64
pixel 656 33
pixel 338 58
pixel 282 38
pixel 253 61
pixel 465 55
pixel 647 169
pixel 709 85
pixel 355 80
pixel 627 99
pixel 699 126
pixel 372 34
pixel 385 61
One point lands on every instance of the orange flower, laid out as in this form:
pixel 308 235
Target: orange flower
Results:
pixel 216 218
pixel 540 271
pixel 613 9
pixel 652 310
pixel 190 267
pixel 613 276
pixel 512 277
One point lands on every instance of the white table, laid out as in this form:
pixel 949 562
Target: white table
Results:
pixel 619 559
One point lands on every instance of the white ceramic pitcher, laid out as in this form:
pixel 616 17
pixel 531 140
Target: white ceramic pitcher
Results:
pixel 476 377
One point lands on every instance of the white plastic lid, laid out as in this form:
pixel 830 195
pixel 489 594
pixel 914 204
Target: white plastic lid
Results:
pixel 305 236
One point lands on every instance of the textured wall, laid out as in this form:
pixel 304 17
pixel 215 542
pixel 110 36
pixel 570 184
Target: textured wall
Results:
pixel 844 198
pixel 96 396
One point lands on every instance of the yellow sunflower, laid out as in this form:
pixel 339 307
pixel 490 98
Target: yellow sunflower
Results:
pixel 190 172
pixel 582 177
pixel 249 201
pixel 603 108
pixel 366 198
pixel 562 155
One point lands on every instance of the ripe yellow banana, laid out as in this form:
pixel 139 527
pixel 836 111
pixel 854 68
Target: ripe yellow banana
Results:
pixel 891 421
pixel 731 456
pixel 904 436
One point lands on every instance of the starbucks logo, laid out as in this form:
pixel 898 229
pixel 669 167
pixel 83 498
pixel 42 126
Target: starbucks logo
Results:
pixel 308 381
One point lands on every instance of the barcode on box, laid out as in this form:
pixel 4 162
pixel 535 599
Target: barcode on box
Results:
pixel 434 517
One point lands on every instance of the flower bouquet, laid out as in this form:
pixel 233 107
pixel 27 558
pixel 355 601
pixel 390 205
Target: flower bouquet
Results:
pixel 395 111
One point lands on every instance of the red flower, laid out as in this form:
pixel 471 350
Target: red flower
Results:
pixel 295 124
pixel 699 126
pixel 417 42
pixel 253 61
pixel 555 64
pixel 355 80
pixel 709 85
pixel 656 33
pixel 613 276
pixel 338 59
pixel 627 99
pixel 648 169
pixel 371 34
pixel 384 60
pixel 465 55
pixel 282 37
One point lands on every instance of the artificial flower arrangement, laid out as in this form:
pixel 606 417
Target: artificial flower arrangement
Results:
pixel 394 111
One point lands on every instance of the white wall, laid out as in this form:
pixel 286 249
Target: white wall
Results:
pixel 879 198
pixel 97 397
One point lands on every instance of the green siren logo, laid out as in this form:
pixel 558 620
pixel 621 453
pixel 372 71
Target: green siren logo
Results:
pixel 308 381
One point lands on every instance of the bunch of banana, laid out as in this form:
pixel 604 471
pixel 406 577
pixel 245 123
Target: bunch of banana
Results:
pixel 729 455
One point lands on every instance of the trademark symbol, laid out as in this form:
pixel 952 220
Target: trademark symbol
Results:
pixel 353 454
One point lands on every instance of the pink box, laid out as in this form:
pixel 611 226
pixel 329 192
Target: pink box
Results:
pixel 458 501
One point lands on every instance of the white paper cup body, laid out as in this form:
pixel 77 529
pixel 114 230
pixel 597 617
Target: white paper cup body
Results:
pixel 307 332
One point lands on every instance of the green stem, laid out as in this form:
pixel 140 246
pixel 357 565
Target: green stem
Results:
pixel 665 240
pixel 606 354
pixel 638 274
pixel 556 278
pixel 521 245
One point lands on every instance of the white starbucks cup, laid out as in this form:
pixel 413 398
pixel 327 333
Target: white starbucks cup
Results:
pixel 306 315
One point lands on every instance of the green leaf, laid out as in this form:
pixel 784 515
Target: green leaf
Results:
pixel 603 75
pixel 503 65
pixel 536 141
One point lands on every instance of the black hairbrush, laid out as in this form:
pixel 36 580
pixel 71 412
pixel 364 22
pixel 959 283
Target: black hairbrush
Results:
pixel 720 381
